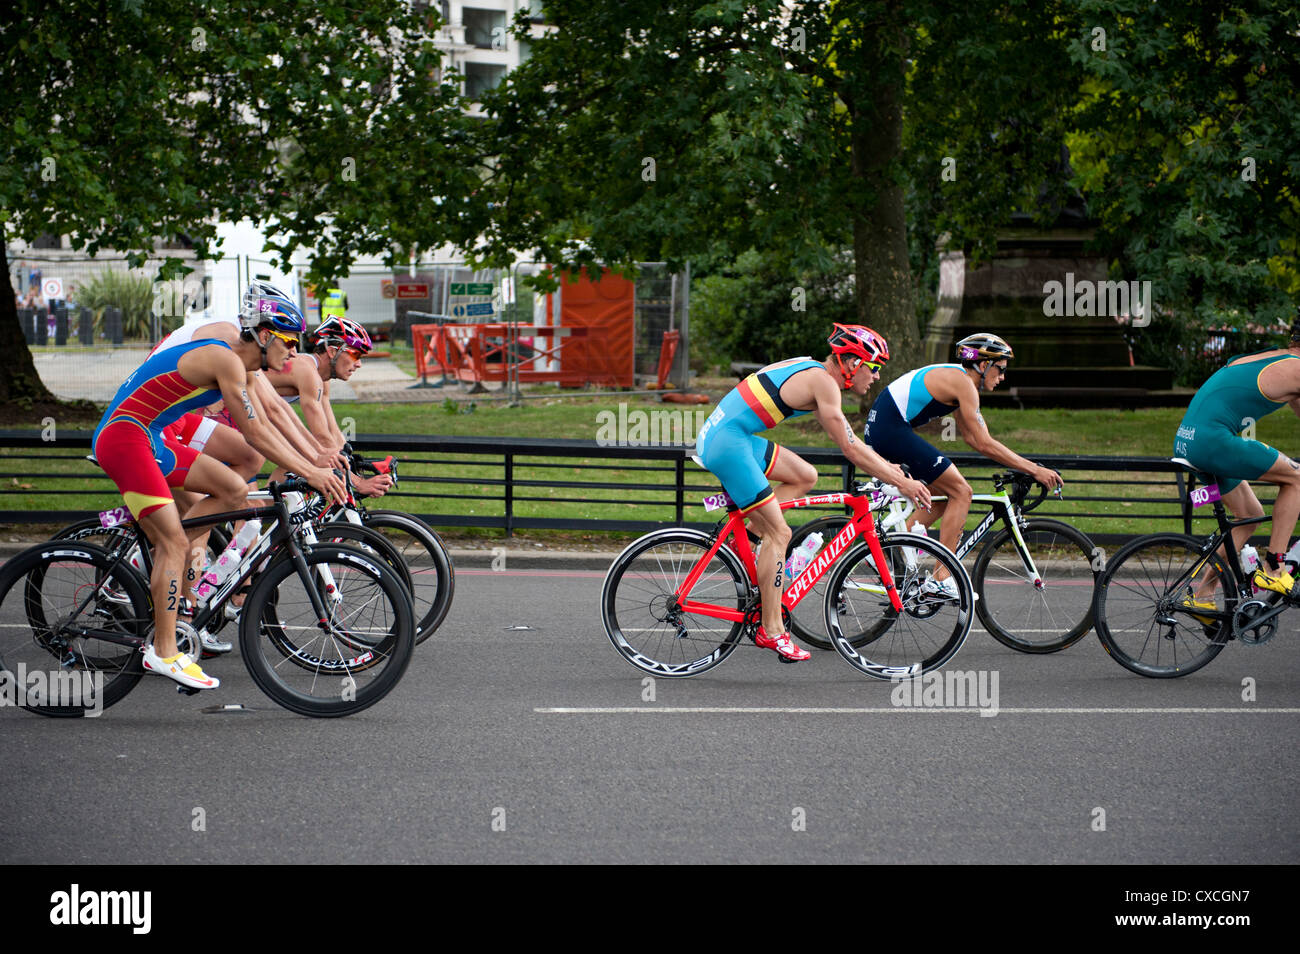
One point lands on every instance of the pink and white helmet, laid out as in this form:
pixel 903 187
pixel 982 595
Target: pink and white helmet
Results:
pixel 342 331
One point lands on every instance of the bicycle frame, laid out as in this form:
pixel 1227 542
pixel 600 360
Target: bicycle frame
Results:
pixel 278 533
pixel 1209 550
pixel 900 509
pixel 862 524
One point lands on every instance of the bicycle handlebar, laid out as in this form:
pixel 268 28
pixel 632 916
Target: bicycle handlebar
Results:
pixel 386 466
pixel 1021 484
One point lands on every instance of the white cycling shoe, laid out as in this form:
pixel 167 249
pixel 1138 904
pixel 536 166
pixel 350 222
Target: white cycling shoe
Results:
pixel 945 589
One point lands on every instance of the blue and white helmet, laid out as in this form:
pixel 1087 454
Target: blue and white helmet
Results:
pixel 266 305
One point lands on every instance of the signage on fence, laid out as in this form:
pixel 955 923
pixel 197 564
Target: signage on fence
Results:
pixel 481 310
pixel 412 289
pixel 52 288
pixel 472 288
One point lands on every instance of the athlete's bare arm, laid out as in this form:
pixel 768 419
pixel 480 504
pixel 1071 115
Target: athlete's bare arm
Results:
pixel 828 410
pixel 220 367
pixel 306 381
pixel 975 432
pixel 335 433
pixel 1280 382
pixel 285 421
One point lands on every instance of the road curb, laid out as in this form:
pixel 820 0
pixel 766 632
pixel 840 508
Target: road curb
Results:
pixel 488 559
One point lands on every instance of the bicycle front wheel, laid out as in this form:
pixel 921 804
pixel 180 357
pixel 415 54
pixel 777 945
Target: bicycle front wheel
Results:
pixel 72 623
pixel 639 603
pixel 1142 609
pixel 342 665
pixel 1042 614
pixel 870 634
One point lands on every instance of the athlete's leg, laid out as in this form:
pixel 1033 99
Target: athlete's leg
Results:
pixel 795 476
pixel 228 445
pixel 225 489
pixel 952 484
pixel 163 528
pixel 1285 472
pixel 768 522
pixel 1241 503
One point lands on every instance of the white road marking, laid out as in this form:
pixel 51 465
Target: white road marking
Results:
pixel 832 710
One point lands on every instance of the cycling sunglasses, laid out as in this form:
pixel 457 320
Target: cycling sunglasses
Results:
pixel 292 342
pixel 873 365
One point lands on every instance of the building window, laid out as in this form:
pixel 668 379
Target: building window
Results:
pixel 481 77
pixel 483 27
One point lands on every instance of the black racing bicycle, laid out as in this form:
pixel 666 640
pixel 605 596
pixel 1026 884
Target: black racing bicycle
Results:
pixel 1167 603
pixel 327 630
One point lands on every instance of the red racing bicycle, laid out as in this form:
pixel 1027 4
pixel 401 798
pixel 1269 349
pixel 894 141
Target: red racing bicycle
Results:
pixel 678 601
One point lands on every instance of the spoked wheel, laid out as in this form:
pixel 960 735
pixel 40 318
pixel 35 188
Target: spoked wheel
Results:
pixel 1143 606
pixel 339 666
pixel 643 617
pixel 1043 614
pixel 71 628
pixel 870 634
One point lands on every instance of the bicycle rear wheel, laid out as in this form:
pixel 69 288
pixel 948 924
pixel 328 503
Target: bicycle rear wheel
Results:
pixel 1140 615
pixel 71 628
pixel 870 634
pixel 1036 617
pixel 341 666
pixel 638 603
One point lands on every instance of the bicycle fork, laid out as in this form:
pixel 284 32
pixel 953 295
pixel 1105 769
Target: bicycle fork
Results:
pixel 323 572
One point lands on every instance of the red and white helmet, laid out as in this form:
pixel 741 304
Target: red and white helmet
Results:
pixel 858 340
pixel 342 331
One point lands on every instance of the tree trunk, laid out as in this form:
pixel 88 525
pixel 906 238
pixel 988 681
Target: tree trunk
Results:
pixel 18 378
pixel 882 272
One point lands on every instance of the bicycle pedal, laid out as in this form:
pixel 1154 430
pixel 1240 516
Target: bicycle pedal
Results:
pixel 187 691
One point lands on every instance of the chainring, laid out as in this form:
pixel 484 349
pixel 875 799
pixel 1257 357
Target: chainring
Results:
pixel 1253 634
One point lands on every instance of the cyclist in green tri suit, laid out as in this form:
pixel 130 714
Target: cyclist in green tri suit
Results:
pixel 1234 397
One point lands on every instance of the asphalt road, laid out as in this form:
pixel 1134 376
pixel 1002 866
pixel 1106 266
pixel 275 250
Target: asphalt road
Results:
pixel 467 761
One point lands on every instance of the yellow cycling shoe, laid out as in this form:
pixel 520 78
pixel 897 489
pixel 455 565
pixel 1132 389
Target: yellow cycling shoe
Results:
pixel 1191 602
pixel 1279 580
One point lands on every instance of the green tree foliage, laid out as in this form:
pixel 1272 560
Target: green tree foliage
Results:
pixel 126 121
pixel 1187 142
pixel 702 130
pixel 756 311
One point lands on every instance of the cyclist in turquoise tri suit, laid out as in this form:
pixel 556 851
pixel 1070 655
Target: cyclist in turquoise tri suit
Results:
pixel 1231 400
pixel 729 446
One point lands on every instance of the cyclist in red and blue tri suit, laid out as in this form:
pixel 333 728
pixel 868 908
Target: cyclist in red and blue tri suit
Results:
pixel 130 446
pixel 729 446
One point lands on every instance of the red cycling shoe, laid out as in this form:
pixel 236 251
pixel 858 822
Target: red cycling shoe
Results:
pixel 783 645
